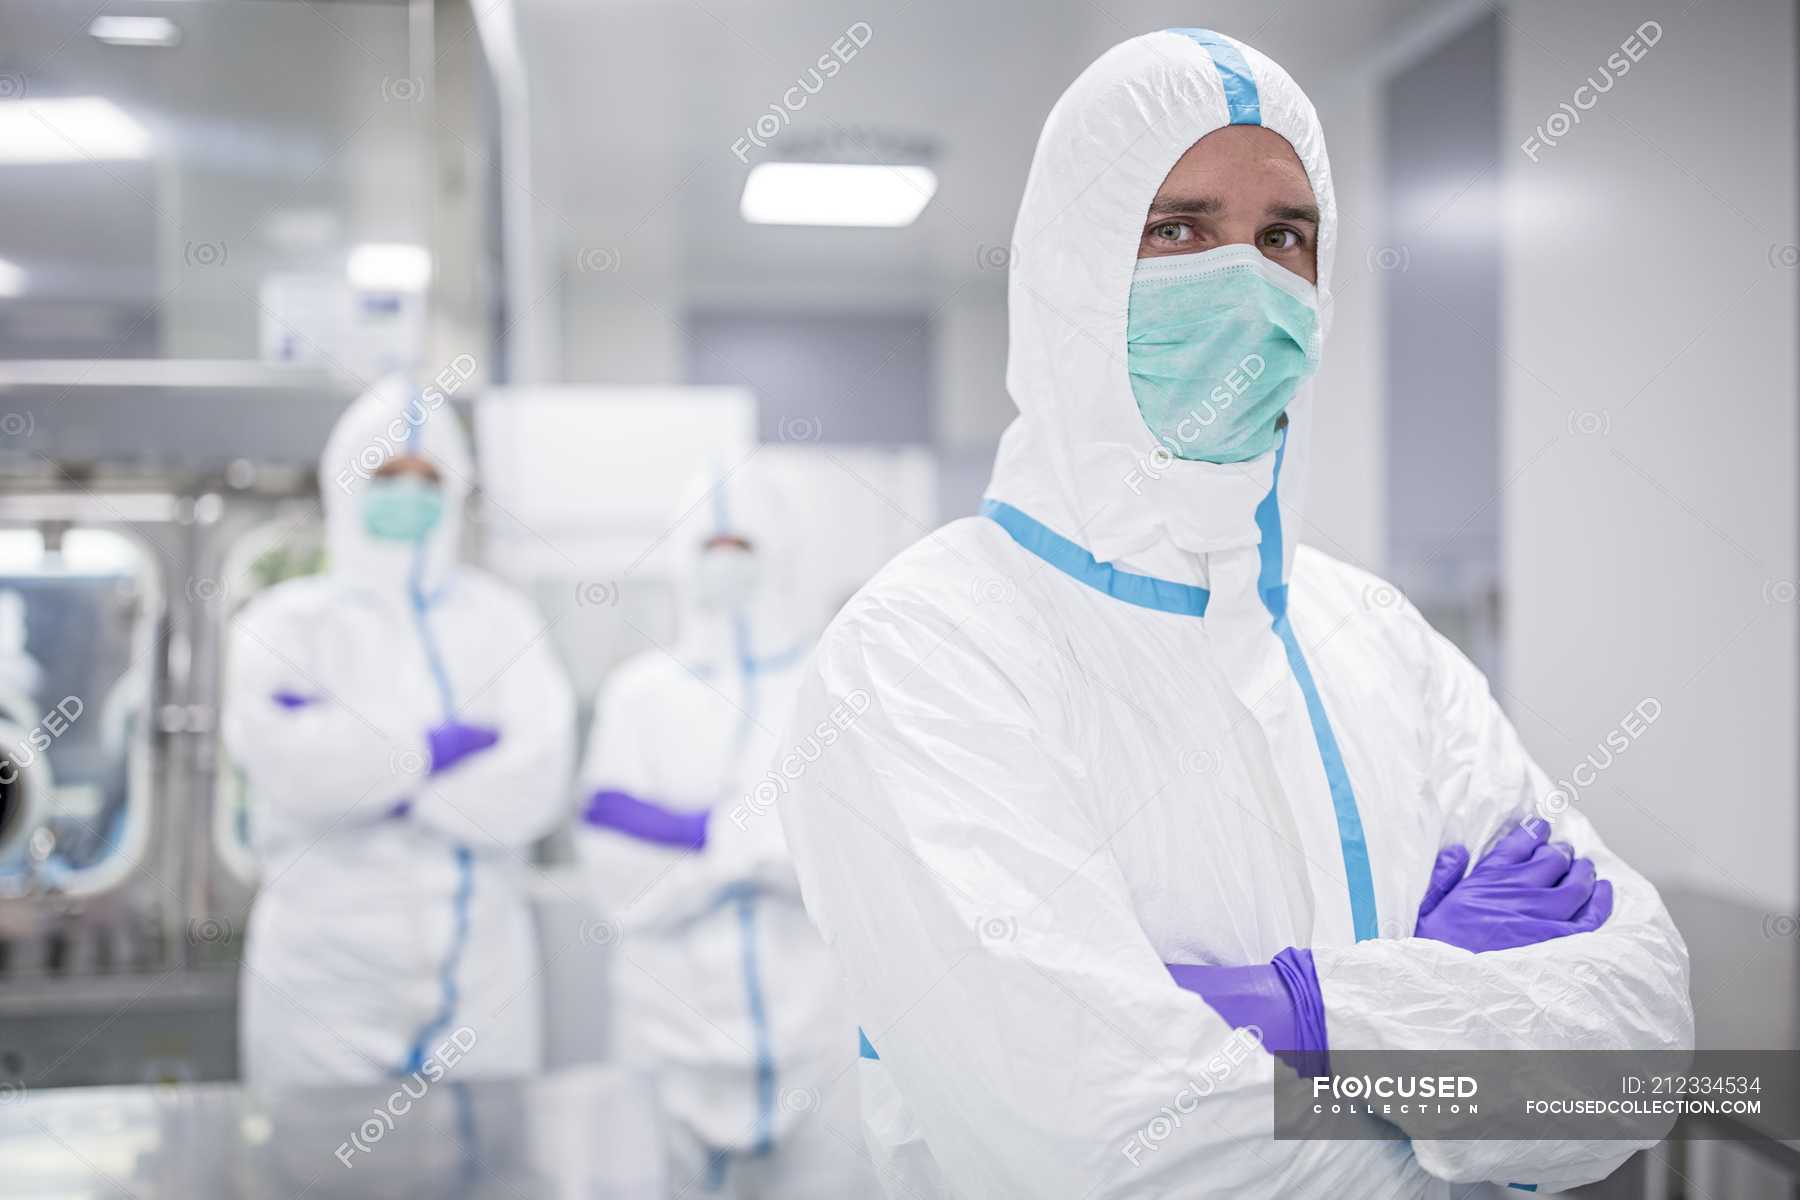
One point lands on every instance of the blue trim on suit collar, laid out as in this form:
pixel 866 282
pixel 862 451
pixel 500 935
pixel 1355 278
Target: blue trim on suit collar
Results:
pixel 1145 591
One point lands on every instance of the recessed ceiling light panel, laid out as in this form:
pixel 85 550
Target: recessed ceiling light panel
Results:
pixel 135 31
pixel 389 267
pixel 69 129
pixel 828 193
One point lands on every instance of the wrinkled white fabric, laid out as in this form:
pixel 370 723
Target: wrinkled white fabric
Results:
pixel 724 991
pixel 371 934
pixel 1065 779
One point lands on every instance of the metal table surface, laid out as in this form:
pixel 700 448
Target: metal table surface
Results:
pixel 594 1133
pixel 591 1133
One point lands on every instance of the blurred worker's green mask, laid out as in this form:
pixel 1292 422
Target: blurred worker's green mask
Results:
pixel 1217 344
pixel 401 509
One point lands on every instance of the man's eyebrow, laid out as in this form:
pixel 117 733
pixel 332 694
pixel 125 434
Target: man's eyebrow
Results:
pixel 1295 212
pixel 1212 206
pixel 1201 206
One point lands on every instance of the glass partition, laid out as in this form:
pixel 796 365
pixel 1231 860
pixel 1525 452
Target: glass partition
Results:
pixel 79 611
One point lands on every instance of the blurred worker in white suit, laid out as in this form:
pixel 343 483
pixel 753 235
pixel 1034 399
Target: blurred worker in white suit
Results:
pixel 406 733
pixel 724 990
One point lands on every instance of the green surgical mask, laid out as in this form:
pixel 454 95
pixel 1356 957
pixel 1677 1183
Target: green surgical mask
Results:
pixel 402 508
pixel 1217 344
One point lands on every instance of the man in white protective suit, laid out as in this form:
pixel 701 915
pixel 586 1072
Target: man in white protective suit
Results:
pixel 725 993
pixel 1140 774
pixel 405 733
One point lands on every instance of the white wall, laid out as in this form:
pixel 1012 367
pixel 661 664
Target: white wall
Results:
pixel 973 407
pixel 1344 508
pixel 618 332
pixel 1649 428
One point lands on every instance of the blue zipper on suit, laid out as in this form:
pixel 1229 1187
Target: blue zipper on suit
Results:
pixel 1163 595
pixel 745 897
pixel 1274 590
pixel 461 856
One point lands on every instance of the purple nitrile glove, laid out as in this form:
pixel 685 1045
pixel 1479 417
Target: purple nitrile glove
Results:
pixel 1281 1000
pixel 647 821
pixel 1524 891
pixel 453 741
pixel 292 700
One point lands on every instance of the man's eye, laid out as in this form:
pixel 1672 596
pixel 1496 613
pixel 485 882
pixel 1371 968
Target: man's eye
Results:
pixel 1280 238
pixel 1171 231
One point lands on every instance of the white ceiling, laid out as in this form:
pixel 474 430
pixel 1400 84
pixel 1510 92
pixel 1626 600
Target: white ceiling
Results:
pixel 263 109
pixel 638 104
pixel 288 106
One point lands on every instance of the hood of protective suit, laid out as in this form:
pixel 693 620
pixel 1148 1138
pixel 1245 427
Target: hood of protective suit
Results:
pixel 1079 457
pixel 388 421
pixel 749 501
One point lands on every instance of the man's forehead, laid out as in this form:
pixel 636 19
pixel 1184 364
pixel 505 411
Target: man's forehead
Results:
pixel 1213 175
pixel 1174 202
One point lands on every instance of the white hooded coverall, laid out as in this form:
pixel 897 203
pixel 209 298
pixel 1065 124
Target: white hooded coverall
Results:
pixel 391 913
pixel 1121 720
pixel 724 991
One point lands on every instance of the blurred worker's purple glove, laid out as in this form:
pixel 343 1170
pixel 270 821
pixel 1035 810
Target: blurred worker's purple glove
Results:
pixel 647 821
pixel 453 741
pixel 1281 1000
pixel 1524 891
